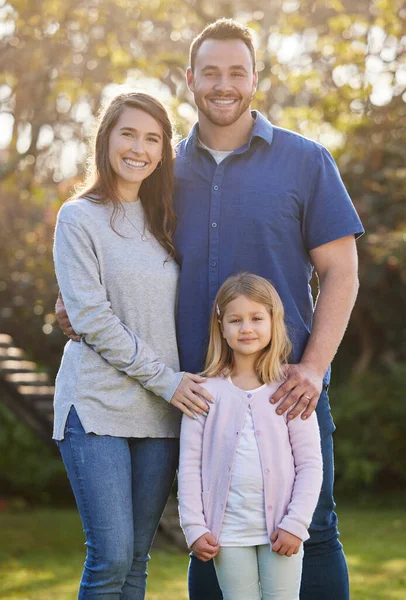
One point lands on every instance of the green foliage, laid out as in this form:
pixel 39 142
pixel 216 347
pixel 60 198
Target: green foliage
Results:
pixel 333 71
pixel 322 67
pixel 370 442
pixel 29 470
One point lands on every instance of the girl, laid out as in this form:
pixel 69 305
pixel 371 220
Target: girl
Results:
pixel 115 421
pixel 249 480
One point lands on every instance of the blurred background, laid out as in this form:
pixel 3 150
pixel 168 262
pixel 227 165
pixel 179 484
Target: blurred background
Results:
pixel 332 70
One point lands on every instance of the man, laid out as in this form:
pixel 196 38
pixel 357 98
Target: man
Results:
pixel 250 196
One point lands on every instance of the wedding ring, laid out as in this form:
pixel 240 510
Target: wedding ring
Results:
pixel 308 397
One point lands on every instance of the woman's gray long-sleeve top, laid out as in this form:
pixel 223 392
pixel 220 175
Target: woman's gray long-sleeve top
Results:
pixel 120 295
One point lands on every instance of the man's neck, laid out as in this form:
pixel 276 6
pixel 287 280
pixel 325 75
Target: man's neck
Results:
pixel 226 138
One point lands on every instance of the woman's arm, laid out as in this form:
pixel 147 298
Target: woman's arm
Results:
pixel 305 442
pixel 79 278
pixel 190 480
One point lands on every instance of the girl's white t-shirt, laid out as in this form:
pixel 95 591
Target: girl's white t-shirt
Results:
pixel 244 522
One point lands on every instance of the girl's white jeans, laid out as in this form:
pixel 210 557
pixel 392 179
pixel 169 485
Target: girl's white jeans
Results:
pixel 255 573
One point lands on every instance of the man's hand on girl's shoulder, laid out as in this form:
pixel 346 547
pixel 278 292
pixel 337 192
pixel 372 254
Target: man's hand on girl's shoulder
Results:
pixel 285 543
pixel 302 389
pixel 205 547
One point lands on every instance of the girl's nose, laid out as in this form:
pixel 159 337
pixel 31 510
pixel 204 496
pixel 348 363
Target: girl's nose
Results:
pixel 245 326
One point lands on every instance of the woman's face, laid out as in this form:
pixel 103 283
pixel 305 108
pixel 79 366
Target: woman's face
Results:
pixel 135 149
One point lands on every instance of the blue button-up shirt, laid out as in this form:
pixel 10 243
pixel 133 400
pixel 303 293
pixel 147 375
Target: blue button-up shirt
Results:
pixel 262 209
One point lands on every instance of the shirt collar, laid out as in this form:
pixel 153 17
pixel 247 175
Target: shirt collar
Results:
pixel 262 128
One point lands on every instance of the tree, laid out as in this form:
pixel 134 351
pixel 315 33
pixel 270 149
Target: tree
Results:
pixel 331 70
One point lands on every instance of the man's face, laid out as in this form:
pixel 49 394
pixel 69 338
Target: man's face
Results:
pixel 223 81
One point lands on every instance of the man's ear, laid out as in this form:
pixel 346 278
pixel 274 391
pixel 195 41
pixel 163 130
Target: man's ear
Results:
pixel 190 79
pixel 255 83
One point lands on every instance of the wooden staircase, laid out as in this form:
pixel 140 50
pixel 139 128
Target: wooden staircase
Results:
pixel 25 390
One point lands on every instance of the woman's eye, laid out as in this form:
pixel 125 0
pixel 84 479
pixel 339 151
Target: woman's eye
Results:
pixel 127 134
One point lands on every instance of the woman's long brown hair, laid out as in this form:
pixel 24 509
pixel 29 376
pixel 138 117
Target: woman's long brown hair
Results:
pixel 156 191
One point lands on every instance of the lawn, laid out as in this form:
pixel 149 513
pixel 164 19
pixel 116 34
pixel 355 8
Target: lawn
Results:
pixel 41 556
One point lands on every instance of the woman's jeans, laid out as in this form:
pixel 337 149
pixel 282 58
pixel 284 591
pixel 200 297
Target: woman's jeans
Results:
pixel 255 572
pixel 325 575
pixel 121 486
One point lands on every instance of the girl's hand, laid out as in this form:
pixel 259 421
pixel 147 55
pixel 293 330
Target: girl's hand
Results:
pixel 285 543
pixel 187 396
pixel 205 547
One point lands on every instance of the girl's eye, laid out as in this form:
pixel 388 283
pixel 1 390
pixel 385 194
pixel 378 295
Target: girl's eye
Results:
pixel 257 319
pixel 127 134
pixel 152 139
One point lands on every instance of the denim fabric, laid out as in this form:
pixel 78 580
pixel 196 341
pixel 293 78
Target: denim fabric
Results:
pixel 121 486
pixel 325 575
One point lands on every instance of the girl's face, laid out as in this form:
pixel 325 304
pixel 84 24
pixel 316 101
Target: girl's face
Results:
pixel 246 326
pixel 135 149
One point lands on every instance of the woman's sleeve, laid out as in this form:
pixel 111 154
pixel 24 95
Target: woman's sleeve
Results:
pixel 190 479
pixel 305 442
pixel 79 278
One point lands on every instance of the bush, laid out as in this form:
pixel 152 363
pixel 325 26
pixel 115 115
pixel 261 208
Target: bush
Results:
pixel 30 471
pixel 370 443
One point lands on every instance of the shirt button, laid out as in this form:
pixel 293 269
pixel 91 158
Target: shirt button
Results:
pixel 214 263
pixel 267 471
pixel 216 187
pixel 269 506
pixel 258 432
pixel 214 225
pixel 249 395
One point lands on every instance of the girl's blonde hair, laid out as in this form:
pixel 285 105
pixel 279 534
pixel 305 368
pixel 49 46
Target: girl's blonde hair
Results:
pixel 269 365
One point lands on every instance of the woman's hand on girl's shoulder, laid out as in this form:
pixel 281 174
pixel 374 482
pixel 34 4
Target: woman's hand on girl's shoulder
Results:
pixel 192 398
pixel 285 543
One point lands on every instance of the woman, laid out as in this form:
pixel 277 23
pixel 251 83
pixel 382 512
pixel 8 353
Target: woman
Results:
pixel 118 389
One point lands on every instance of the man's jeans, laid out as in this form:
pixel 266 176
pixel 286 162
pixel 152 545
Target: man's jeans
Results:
pixel 325 575
pixel 121 486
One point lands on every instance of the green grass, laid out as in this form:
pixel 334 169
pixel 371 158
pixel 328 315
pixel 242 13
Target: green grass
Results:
pixel 42 553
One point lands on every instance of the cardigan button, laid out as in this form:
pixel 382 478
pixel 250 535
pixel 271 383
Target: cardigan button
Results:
pixel 258 432
pixel 270 506
pixel 267 471
pixel 249 395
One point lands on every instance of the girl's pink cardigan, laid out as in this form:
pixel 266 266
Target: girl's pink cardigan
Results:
pixel 290 457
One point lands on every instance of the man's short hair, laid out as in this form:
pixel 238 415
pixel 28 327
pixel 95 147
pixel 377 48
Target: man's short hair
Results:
pixel 222 29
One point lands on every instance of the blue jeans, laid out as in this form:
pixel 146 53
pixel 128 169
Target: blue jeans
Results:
pixel 121 486
pixel 325 574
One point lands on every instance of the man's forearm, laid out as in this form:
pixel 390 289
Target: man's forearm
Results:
pixel 338 292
